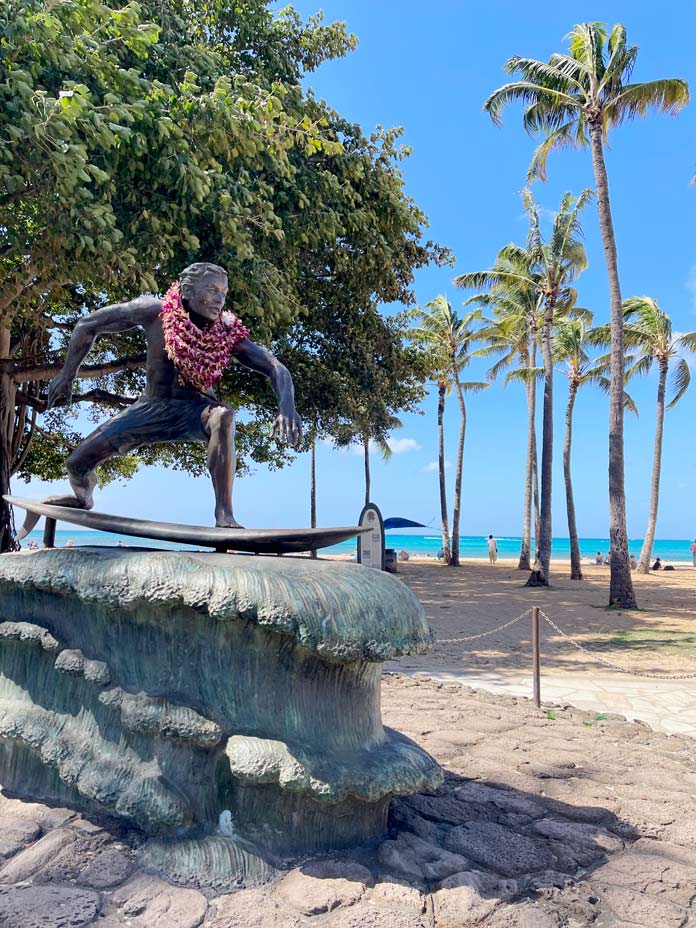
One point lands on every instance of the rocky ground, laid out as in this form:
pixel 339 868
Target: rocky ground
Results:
pixel 546 820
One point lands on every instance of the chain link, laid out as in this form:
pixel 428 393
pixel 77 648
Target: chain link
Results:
pixel 601 660
pixel 492 631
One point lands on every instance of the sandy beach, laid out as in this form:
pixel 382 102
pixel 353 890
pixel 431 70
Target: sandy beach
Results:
pixel 658 638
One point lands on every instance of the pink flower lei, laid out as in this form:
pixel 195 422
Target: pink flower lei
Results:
pixel 199 355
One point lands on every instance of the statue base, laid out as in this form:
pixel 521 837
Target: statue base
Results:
pixel 226 706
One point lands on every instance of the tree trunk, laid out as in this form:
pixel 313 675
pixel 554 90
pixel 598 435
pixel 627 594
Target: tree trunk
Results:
pixel 620 584
pixel 649 541
pixel 313 490
pixel 575 568
pixel 535 487
pixel 457 507
pixel 540 575
pixel 441 390
pixel 366 447
pixel 526 547
pixel 8 389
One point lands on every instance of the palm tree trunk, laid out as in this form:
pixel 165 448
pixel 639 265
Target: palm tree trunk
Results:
pixel 620 584
pixel 535 478
pixel 441 390
pixel 457 507
pixel 540 575
pixel 366 447
pixel 8 389
pixel 313 490
pixel 575 568
pixel 646 551
pixel 525 550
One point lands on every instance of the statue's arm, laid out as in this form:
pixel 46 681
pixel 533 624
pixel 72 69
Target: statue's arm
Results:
pixel 119 317
pixel 287 426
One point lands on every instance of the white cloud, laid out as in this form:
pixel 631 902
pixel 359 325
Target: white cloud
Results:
pixel 691 287
pixel 433 466
pixel 402 445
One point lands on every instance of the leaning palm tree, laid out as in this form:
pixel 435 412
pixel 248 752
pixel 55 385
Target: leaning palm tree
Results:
pixel 649 332
pixel 512 335
pixel 570 342
pixel 575 99
pixel 554 264
pixel 448 339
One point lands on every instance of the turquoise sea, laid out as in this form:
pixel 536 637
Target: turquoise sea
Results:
pixel 421 544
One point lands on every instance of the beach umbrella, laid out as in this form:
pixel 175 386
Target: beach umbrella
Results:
pixel 398 522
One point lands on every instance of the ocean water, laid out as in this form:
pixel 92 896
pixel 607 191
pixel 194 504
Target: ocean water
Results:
pixel 424 543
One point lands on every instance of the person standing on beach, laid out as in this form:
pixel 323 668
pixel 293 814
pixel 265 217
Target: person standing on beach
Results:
pixel 492 549
pixel 693 552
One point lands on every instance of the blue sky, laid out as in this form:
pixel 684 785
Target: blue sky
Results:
pixel 429 68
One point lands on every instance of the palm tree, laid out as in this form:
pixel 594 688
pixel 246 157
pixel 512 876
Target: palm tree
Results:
pixel 513 335
pixel 649 331
pixel 555 264
pixel 379 442
pixel 574 100
pixel 448 338
pixel 570 341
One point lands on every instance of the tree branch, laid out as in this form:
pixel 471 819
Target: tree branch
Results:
pixel 100 397
pixel 48 371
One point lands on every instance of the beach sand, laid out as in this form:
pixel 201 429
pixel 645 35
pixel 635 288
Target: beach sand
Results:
pixel 659 637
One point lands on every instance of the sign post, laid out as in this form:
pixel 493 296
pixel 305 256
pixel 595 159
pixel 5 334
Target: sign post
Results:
pixel 371 544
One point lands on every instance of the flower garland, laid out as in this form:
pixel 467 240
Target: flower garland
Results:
pixel 199 355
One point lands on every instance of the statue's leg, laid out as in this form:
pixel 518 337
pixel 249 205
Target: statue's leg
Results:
pixel 218 425
pixel 80 466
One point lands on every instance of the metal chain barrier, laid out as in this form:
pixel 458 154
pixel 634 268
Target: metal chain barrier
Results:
pixel 492 631
pixel 576 644
pixel 601 660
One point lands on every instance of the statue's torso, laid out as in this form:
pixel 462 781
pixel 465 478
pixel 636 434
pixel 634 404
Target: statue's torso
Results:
pixel 162 375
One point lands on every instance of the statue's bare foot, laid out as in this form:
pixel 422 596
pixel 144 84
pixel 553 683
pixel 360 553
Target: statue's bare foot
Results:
pixel 72 502
pixel 226 520
pixel 31 519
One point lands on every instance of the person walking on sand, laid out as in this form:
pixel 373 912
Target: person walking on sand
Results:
pixel 492 549
pixel 692 548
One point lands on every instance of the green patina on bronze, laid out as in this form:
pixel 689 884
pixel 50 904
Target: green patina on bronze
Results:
pixel 168 689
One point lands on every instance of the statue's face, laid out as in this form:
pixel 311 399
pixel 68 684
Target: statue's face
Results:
pixel 206 296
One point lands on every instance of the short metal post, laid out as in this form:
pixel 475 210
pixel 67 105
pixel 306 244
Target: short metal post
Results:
pixel 536 656
pixel 49 535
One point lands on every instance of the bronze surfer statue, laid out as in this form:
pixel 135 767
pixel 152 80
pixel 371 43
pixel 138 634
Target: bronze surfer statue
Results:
pixel 190 342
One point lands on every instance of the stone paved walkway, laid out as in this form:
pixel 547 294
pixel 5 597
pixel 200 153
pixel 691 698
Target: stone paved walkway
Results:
pixel 553 820
pixel 667 705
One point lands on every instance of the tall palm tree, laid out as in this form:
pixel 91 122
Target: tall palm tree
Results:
pixel 574 99
pixel 649 332
pixel 513 335
pixel 448 339
pixel 570 341
pixel 555 264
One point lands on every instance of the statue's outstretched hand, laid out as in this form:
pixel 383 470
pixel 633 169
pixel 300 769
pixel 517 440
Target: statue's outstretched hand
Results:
pixel 60 387
pixel 288 428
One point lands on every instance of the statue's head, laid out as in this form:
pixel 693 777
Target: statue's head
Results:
pixel 204 289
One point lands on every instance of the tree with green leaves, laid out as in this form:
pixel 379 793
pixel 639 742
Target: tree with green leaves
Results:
pixel 447 339
pixel 512 334
pixel 571 339
pixel 554 264
pixel 574 99
pixel 649 336
pixel 134 141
